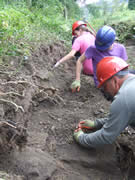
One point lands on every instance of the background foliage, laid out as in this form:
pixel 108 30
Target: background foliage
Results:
pixel 24 24
pixel 131 4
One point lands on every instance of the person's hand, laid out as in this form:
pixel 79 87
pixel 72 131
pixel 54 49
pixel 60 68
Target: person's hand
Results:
pixel 87 124
pixel 75 86
pixel 77 133
pixel 57 64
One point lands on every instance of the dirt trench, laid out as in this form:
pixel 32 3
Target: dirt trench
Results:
pixel 39 114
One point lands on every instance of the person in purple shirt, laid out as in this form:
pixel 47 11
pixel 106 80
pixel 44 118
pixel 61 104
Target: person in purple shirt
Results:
pixel 104 47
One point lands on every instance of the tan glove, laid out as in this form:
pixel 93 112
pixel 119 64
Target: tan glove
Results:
pixel 87 124
pixel 75 86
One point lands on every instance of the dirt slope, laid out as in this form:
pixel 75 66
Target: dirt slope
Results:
pixel 39 103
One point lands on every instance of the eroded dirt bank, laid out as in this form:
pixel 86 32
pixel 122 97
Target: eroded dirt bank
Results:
pixel 39 103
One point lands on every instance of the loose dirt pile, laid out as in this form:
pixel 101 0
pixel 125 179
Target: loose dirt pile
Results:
pixel 38 116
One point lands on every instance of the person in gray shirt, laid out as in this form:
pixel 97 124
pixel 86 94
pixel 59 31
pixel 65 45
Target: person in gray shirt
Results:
pixel 115 80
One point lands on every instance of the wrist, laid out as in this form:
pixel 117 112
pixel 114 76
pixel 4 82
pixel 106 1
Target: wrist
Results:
pixel 59 61
pixel 77 133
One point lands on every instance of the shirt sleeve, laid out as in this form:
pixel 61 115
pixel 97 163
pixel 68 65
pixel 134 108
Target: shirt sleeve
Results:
pixel 116 123
pixel 89 52
pixel 123 53
pixel 76 45
pixel 100 122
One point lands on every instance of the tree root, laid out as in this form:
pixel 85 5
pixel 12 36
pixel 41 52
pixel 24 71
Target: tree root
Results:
pixel 17 82
pixel 42 94
pixel 10 93
pixel 26 82
pixel 11 136
pixel 60 98
pixel 2 72
pixel 11 102
pixel 4 122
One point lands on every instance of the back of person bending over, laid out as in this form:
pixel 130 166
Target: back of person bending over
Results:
pixel 83 40
pixel 115 79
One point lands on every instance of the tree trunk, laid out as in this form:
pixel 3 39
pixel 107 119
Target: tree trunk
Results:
pixel 65 13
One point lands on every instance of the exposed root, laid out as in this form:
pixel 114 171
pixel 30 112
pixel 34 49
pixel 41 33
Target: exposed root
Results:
pixel 11 136
pixel 125 158
pixel 4 122
pixel 50 88
pixel 11 102
pixel 17 82
pixel 11 93
pixel 50 98
pixel 51 115
pixel 2 72
pixel 60 98
pixel 29 83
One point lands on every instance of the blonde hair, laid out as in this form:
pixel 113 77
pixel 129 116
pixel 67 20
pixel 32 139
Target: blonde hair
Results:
pixel 84 28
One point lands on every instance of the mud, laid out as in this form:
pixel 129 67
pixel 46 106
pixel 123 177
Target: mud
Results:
pixel 41 105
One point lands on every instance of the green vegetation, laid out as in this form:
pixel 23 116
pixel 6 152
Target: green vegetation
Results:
pixel 131 4
pixel 24 24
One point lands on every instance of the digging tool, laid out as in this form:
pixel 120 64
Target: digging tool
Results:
pixel 93 31
pixel 84 127
pixel 77 133
pixel 87 124
pixel 56 65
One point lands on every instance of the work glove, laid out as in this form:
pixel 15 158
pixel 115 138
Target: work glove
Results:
pixel 57 64
pixel 75 86
pixel 87 124
pixel 77 133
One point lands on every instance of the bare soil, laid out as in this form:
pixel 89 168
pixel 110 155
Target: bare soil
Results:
pixel 39 114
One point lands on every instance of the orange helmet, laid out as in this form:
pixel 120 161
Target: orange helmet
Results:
pixel 109 66
pixel 76 25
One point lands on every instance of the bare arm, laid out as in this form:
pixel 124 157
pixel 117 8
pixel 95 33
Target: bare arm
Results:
pixel 79 66
pixel 68 56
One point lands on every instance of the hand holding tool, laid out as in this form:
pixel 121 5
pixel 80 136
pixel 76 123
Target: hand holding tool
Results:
pixel 57 64
pixel 87 124
pixel 77 133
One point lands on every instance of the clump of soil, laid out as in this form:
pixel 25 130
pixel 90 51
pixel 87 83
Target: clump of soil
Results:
pixel 40 113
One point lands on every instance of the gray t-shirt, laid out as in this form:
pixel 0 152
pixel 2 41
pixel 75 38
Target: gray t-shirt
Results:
pixel 122 114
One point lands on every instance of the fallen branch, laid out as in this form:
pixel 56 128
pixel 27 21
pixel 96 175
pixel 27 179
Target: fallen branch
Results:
pixel 11 102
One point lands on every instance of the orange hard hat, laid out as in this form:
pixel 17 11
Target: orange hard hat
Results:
pixel 109 66
pixel 76 25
